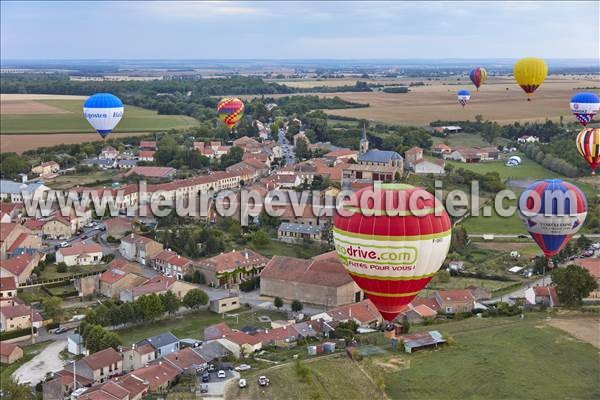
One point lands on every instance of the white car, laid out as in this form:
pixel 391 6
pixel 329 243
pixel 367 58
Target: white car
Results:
pixel 242 383
pixel 243 367
pixel 221 374
pixel 64 244
pixel 263 381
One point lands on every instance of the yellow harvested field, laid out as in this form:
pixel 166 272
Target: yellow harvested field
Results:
pixel 584 329
pixel 500 99
pixel 21 97
pixel 22 143
pixel 28 107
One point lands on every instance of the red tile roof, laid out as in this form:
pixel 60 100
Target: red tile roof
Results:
pixel 146 154
pixel 156 374
pixel 185 358
pixel 8 283
pixel 34 224
pixel 117 222
pixel 216 331
pixel 341 153
pixel 112 275
pixel 455 295
pixel 148 144
pixel 16 265
pixel 547 291
pixel 134 385
pixel 157 284
pixel 428 301
pixel 108 390
pixel 232 260
pixel 424 311
pixel 364 312
pixel 241 338
pixel 81 248
pixel 6 229
pixel 103 358
pixel 323 270
pixel 591 264
pixel 14 311
pixel 18 241
pixel 6 348
pixel 152 172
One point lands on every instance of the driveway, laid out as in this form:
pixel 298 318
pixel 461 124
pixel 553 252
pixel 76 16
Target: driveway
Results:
pixel 216 387
pixel 34 370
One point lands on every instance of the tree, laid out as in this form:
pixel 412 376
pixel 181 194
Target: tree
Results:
pixel 573 283
pixel 583 242
pixel 278 302
pixel 170 302
pixel 260 238
pixel 150 306
pixel 61 267
pixel 195 298
pixel 11 165
pixel 297 306
pixel 109 339
pixel 53 308
pixel 301 150
pixel 491 132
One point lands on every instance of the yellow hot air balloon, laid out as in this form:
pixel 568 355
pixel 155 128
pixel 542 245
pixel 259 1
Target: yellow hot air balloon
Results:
pixel 530 73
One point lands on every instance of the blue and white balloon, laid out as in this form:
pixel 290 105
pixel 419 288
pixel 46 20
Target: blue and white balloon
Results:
pixel 463 96
pixel 103 111
pixel 585 106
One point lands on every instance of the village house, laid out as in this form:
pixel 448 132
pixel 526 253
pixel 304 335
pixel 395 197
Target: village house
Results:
pixel 424 166
pixel 135 357
pixel 46 169
pixel 159 284
pixel 101 163
pixel 148 145
pixel 541 296
pixel 114 280
pixel 139 248
pixel 15 316
pixel 59 227
pixel 16 239
pixel 344 155
pixel 14 192
pixel 320 280
pixel 237 342
pixel 63 383
pixel 159 375
pixel 80 254
pixel 19 267
pixel 528 139
pixel 13 211
pixel 455 301
pixel 100 366
pixel 417 314
pixel 146 155
pixel 172 264
pixel 227 270
pixel 473 155
pixel 9 353
pixel 440 149
pixel 8 289
pixel 293 232
pixel 117 227
pixel 364 313
pixel 106 390
pixel 163 344
pixel 412 155
pixel 108 153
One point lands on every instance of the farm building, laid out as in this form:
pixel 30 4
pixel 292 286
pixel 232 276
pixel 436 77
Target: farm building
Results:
pixel 422 340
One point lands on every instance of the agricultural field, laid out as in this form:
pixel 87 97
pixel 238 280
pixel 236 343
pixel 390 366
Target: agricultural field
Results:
pixel 500 99
pixel 528 171
pixel 488 358
pixel 33 117
pixel 466 140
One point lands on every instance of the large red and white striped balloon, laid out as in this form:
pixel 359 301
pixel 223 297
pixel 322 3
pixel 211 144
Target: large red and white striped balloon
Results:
pixel 393 253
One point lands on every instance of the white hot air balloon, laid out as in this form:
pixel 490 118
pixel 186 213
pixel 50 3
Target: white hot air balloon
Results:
pixel 103 111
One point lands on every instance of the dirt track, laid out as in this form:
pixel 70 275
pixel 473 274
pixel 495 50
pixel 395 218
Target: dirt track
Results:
pixel 584 329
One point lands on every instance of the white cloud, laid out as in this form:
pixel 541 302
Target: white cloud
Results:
pixel 202 10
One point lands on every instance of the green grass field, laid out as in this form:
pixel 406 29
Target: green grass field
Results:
pixel 275 247
pixel 135 120
pixel 529 170
pixel 466 140
pixel 192 325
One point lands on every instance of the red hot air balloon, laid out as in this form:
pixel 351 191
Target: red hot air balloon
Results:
pixel 393 253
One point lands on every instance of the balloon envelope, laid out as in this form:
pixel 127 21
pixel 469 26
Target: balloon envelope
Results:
pixel 103 111
pixel 463 96
pixel 552 211
pixel 230 110
pixel 392 255
pixel 585 106
pixel 588 144
pixel 478 76
pixel 530 73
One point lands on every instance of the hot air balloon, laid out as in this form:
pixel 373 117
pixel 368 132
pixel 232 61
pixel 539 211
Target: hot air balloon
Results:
pixel 588 144
pixel 530 74
pixel 584 106
pixel 478 76
pixel 103 111
pixel 393 254
pixel 552 212
pixel 230 111
pixel 463 96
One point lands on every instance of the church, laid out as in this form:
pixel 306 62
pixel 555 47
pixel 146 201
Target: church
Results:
pixel 373 165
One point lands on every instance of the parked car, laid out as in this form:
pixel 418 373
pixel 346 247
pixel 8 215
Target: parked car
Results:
pixel 204 389
pixel 243 367
pixel 64 244
pixel 221 374
pixel 263 381
pixel 211 367
pixel 205 377
pixel 60 329
pixel 242 383
pixel 522 236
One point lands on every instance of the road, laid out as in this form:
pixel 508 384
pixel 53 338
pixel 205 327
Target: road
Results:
pixel 288 153
pixel 34 370
pixel 88 234
pixel 520 292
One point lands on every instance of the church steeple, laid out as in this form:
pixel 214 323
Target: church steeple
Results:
pixel 364 142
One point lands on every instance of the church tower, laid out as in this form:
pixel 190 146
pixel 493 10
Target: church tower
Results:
pixel 364 142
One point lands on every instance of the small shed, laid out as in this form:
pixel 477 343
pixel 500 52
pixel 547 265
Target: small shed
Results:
pixel 422 340
pixel 75 344
pixel 225 304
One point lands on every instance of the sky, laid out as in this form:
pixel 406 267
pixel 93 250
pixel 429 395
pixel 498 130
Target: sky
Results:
pixel 299 30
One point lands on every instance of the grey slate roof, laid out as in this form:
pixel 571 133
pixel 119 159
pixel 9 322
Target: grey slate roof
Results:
pixel 158 341
pixel 98 161
pixel 211 349
pixel 16 187
pixel 379 156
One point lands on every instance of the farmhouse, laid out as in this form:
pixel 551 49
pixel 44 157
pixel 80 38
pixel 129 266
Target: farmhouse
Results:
pixel 440 149
pixel 455 301
pixel 59 227
pixel 424 166
pixel 9 353
pixel 321 280
pixel 16 239
pixel 108 153
pixel 544 296
pixel 227 270
pixel 80 254
pixel 146 155
pixel 46 169
pixel 148 145
pixel 364 313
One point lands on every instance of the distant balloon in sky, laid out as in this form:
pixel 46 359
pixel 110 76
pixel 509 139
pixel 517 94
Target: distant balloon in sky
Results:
pixel 230 110
pixel 530 73
pixel 478 76
pixel 463 96
pixel 585 106
pixel 393 253
pixel 588 144
pixel 103 111
pixel 552 211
